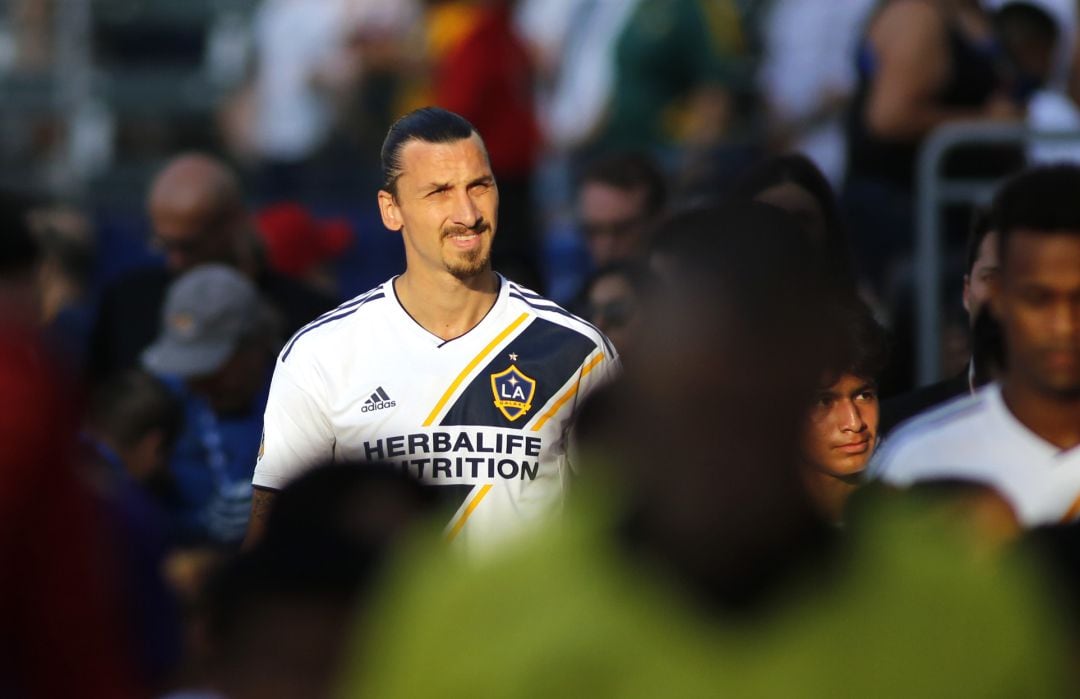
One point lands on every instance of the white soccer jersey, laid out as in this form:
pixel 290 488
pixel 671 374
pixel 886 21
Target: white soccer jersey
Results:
pixel 486 415
pixel 977 438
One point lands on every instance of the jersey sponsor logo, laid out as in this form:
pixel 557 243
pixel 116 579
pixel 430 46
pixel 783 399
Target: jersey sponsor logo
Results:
pixel 513 392
pixel 460 456
pixel 379 400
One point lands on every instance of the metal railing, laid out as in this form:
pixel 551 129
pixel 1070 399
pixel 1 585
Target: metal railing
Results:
pixel 934 190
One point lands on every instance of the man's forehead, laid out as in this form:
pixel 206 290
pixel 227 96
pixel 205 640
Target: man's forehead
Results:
pixel 844 382
pixel 423 159
pixel 1040 246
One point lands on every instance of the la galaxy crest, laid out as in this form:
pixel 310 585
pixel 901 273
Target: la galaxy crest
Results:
pixel 513 392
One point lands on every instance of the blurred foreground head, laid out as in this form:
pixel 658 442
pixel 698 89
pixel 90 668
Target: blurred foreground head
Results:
pixel 280 614
pixel 711 412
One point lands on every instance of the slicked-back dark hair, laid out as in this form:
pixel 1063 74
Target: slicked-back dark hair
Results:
pixel 1043 199
pixel 631 170
pixel 428 124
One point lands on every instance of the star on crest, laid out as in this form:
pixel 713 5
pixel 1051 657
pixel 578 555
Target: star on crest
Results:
pixel 513 357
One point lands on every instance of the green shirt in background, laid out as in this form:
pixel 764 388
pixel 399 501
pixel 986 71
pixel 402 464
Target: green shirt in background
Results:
pixel 909 609
pixel 668 50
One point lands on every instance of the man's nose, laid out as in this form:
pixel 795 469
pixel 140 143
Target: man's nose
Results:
pixel 466 213
pixel 852 418
pixel 1065 321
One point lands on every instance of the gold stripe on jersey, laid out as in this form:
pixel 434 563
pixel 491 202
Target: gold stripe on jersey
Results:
pixel 472 365
pixel 570 393
pixel 467 512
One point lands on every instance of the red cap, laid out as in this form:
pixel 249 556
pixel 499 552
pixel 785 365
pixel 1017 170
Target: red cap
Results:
pixel 296 242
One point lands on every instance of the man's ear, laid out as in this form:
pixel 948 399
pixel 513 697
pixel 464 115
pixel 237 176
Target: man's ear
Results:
pixel 388 209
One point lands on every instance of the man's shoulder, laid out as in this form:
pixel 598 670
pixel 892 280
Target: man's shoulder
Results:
pixel 899 409
pixel 541 307
pixel 952 432
pixel 325 330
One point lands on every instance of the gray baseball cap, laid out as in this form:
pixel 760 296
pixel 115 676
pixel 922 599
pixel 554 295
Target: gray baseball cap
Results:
pixel 208 310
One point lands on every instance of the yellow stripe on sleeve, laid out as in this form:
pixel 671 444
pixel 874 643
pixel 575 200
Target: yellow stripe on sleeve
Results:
pixel 570 393
pixel 460 524
pixel 472 365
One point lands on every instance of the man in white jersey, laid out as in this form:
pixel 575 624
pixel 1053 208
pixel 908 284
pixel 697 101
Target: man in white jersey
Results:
pixel 1020 435
pixel 449 371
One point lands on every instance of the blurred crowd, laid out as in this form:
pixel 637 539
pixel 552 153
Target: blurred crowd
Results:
pixel 726 189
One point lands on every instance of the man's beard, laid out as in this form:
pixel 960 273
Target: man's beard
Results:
pixel 469 263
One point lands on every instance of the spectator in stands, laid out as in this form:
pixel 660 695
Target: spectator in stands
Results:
pixel 130 428
pixel 793 183
pixel 61 609
pixel 1039 42
pixel 68 255
pixel 487 63
pixel 672 55
pixel 298 246
pixel 198 215
pixel 841 431
pixel 612 301
pixel 32 21
pixel 218 338
pixel 1028 35
pixel 1018 435
pixel 310 62
pixel 981 275
pixel 620 198
pixel 921 64
pixel 807 77
pixel 132 424
pixel 574 45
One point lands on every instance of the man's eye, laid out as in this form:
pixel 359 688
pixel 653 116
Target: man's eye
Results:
pixel 868 396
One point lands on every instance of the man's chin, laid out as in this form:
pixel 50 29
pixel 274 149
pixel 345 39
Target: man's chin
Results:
pixel 850 469
pixel 466 270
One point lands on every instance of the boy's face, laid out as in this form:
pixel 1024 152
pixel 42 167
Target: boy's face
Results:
pixel 841 430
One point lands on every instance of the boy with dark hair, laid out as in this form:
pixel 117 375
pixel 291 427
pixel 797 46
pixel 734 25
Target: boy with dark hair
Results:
pixel 841 430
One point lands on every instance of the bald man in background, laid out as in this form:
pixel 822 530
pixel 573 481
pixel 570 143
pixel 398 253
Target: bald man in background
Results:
pixel 198 215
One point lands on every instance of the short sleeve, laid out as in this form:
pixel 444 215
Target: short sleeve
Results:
pixel 297 432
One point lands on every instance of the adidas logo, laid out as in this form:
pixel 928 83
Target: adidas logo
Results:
pixel 378 401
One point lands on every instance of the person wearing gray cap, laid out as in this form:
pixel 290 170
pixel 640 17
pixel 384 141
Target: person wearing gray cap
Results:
pixel 218 339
